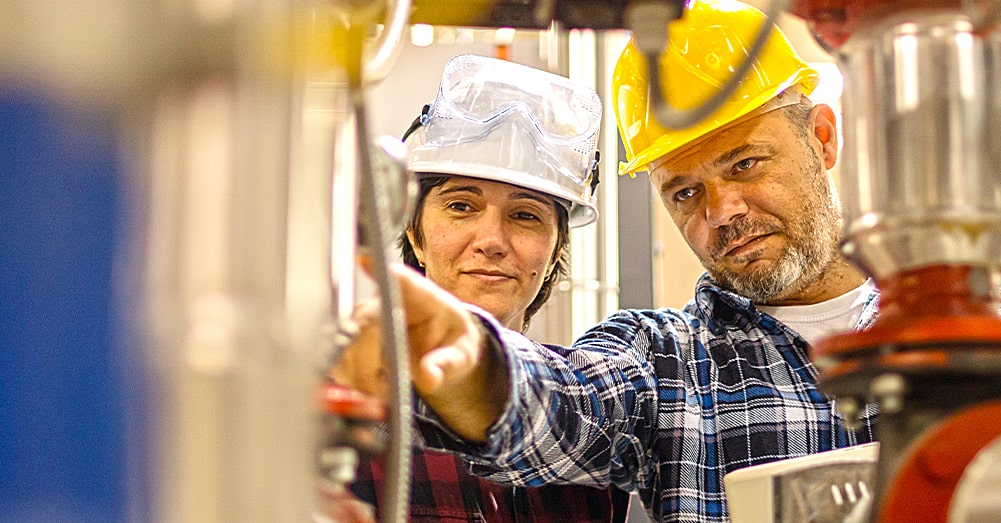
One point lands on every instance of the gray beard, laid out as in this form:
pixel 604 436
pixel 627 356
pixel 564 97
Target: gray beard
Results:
pixel 812 247
pixel 796 268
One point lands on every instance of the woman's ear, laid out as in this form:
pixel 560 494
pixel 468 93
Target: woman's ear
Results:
pixel 824 125
pixel 418 251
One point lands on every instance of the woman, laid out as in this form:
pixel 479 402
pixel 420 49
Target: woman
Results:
pixel 496 245
pixel 505 168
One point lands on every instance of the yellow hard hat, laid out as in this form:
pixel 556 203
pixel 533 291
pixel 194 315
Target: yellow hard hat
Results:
pixel 705 46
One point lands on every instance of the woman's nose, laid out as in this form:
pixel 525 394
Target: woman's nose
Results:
pixel 491 235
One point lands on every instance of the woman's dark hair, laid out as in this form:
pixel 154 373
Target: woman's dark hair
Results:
pixel 561 254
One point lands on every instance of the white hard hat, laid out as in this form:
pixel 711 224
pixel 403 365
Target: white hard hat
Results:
pixel 511 123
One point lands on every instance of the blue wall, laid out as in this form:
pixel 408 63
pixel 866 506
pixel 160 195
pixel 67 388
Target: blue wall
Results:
pixel 62 392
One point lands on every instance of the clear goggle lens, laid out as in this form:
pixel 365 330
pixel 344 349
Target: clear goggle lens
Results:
pixel 484 95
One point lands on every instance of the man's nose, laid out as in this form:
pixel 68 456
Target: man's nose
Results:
pixel 724 203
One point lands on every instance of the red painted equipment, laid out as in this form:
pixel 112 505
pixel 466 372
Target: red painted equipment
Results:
pixel 349 431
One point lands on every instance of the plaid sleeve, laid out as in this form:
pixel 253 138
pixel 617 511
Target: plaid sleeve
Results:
pixel 664 402
pixel 584 414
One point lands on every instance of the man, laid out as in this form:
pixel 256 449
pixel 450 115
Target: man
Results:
pixel 669 401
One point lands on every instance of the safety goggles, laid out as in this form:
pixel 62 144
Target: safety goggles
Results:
pixel 479 94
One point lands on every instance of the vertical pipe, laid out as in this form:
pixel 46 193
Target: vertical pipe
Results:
pixel 233 429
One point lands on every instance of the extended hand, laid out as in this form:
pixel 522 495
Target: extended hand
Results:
pixel 452 369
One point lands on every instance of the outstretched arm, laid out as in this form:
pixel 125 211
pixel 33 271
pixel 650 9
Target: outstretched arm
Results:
pixel 584 414
pixel 454 370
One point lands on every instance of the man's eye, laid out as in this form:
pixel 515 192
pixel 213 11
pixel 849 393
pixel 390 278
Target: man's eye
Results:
pixel 684 194
pixel 459 206
pixel 744 164
pixel 523 215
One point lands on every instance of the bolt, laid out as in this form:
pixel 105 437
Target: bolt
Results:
pixel 849 408
pixel 889 390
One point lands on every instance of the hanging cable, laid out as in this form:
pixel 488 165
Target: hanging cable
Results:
pixel 649 19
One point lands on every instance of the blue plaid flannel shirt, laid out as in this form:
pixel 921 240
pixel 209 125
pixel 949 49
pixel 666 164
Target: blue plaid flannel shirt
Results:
pixel 665 402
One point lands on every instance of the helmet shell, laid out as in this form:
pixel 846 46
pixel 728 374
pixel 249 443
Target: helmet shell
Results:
pixel 704 47
pixel 511 123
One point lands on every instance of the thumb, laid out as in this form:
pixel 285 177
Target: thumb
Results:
pixel 440 367
pixel 445 343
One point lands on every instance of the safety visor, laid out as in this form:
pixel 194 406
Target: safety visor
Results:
pixel 477 94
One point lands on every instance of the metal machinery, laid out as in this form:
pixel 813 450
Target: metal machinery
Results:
pixel 922 200
pixel 234 114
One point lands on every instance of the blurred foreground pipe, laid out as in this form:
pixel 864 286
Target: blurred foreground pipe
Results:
pixel 234 429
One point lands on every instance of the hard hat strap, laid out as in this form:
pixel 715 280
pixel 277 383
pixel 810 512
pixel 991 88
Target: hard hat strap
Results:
pixel 595 175
pixel 418 122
